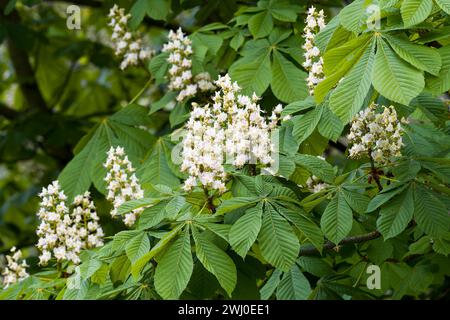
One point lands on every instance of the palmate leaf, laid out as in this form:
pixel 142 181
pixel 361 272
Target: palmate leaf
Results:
pixel 118 130
pixel 253 74
pixel 444 4
pixel 156 169
pixel 415 11
pixel 421 57
pixel 344 64
pixel 337 219
pixel 394 78
pixel 316 166
pixel 330 126
pixel 304 125
pixel 277 241
pixel 175 268
pixel 261 24
pixel 396 214
pixel 441 83
pixel 351 17
pixel 430 213
pixel 288 82
pixel 293 285
pixel 304 224
pixel 137 247
pixel 215 261
pixel 349 95
pixel 245 230
pixel 271 285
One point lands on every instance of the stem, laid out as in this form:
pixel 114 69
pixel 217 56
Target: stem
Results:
pixel 252 169
pixel 311 250
pixel 141 91
pixel 209 201
pixel 374 171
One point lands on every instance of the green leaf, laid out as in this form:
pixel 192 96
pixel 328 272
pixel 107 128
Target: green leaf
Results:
pixel 137 266
pixel 235 203
pixel 158 9
pixel 351 16
pixel 337 219
pixel 440 84
pixel 350 94
pixel 136 204
pixel 444 4
pixel 304 125
pixel 298 106
pixel 420 56
pixel 288 82
pixel 158 65
pixel 137 247
pixel 261 24
pixel 415 11
pixel 357 201
pixel 271 285
pixel 394 78
pixel 316 166
pixel 252 74
pixel 245 230
pixel 215 261
pixel 330 126
pixel 155 168
pixel 175 268
pixel 385 196
pixel 396 214
pixel 293 285
pixel 278 243
pixel 430 213
pixel 305 225
pixel 161 103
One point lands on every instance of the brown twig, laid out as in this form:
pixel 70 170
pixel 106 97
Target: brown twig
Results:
pixel 311 250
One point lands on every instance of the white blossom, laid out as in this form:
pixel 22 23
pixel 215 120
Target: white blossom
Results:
pixel 123 185
pixel 180 74
pixel 230 130
pixel 63 234
pixel 376 134
pixel 315 21
pixel 126 45
pixel 15 270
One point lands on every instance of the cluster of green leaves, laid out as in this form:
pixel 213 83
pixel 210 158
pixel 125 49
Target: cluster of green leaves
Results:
pixel 270 236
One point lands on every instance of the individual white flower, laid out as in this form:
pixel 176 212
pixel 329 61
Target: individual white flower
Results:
pixel 378 135
pixel 123 185
pixel 315 21
pixel 16 268
pixel 315 184
pixel 63 234
pixel 127 46
pixel 230 130
pixel 180 74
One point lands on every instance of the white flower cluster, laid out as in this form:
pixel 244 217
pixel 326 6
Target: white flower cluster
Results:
pixel 127 46
pixel 180 74
pixel 123 185
pixel 315 21
pixel 15 270
pixel 315 184
pixel 231 130
pixel 63 234
pixel 376 134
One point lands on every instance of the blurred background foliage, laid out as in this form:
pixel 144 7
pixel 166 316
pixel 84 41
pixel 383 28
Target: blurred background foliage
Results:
pixel 57 83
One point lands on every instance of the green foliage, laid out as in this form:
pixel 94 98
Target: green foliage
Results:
pixel 306 231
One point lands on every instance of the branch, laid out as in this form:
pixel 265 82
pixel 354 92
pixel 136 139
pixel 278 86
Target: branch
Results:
pixel 19 58
pixel 311 250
